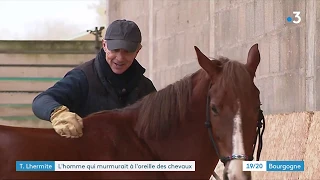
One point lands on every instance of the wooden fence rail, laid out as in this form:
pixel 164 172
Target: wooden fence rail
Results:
pixel 30 67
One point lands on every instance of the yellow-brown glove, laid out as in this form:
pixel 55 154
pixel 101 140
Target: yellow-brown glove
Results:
pixel 66 123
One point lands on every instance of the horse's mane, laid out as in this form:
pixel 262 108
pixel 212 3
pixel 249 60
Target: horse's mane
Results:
pixel 160 111
pixel 235 78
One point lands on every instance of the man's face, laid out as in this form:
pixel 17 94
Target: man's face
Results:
pixel 119 59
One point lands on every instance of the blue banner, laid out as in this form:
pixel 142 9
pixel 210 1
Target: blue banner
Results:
pixel 35 166
pixel 285 165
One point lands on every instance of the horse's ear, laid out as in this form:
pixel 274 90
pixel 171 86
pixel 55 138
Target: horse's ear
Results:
pixel 253 60
pixel 211 67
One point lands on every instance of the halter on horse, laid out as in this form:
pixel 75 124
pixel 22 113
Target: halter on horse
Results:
pixel 224 160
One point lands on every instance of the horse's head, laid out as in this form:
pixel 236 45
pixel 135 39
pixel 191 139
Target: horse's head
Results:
pixel 233 107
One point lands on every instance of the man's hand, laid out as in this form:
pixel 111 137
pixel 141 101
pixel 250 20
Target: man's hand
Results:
pixel 66 123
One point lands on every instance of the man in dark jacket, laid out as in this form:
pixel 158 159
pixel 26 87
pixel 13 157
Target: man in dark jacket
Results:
pixel 113 79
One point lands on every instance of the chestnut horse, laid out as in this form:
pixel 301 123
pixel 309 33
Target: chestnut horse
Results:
pixel 169 125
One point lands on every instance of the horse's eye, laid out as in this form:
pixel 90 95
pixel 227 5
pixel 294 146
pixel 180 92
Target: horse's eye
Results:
pixel 214 109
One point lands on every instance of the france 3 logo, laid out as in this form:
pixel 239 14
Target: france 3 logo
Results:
pixel 296 19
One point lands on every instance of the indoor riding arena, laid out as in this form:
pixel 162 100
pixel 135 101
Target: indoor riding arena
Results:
pixel 288 76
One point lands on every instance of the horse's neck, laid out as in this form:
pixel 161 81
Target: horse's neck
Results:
pixel 191 140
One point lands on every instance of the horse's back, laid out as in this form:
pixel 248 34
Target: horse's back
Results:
pixel 31 144
pixel 114 141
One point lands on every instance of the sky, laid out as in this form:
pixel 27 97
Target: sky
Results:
pixel 25 19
